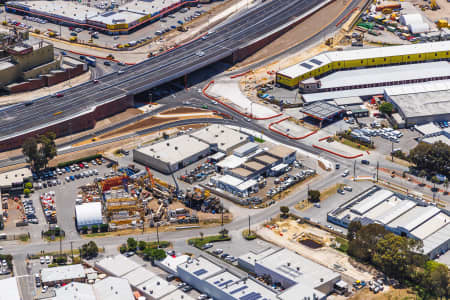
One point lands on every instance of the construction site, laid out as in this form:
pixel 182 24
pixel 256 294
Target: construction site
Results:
pixel 137 199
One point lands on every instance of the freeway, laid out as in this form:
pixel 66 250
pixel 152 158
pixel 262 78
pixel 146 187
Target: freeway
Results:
pixel 210 48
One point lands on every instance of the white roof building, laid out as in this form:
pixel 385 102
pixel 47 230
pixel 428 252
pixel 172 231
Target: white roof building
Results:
pixel 14 176
pixel 225 138
pixel 88 214
pixel 63 273
pixel 113 288
pixel 408 19
pixel 75 291
pixel 9 289
pixel 118 265
pixel 177 295
pixel 138 276
pixel 156 287
pixel 170 263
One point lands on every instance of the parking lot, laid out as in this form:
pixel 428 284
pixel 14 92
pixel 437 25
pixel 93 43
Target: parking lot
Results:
pixel 63 188
pixel 84 36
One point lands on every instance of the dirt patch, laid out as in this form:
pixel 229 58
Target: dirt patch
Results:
pixel 390 294
pixel 311 244
pixel 299 33
pixel 183 110
pixel 149 122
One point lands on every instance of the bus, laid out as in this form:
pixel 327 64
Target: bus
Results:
pixel 90 61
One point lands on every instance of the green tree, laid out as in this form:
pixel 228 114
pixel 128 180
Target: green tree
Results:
pixel 40 150
pixel 123 248
pixel 201 235
pixel 313 196
pixel 28 185
pixel 386 108
pixel 104 227
pixel 26 192
pixel 435 280
pixel 84 229
pixel 154 254
pixel 224 232
pixel 131 244
pixel 142 245
pixel 352 229
pixel 284 210
pixel 94 228
pixel 365 241
pixel 92 249
pixel 433 158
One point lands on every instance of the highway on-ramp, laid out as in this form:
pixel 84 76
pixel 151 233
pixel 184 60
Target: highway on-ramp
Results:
pixel 210 48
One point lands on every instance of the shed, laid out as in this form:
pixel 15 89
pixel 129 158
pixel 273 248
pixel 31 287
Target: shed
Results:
pixel 418 28
pixel 408 19
pixel 88 214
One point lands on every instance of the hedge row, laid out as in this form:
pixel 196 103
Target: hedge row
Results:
pixel 76 161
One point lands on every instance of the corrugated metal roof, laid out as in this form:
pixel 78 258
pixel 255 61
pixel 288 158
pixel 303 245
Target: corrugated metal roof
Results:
pixel 366 53
pixel 370 202
pixel 436 239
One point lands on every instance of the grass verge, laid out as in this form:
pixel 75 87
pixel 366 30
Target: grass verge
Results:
pixel 200 242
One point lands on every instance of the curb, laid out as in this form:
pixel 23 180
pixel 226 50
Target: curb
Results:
pixel 287 135
pixel 241 74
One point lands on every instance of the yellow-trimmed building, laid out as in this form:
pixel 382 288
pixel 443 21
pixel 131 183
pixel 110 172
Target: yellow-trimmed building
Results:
pixel 329 62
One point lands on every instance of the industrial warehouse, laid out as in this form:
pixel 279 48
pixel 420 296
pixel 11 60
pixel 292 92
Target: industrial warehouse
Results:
pixel 403 215
pixel 329 62
pixel 172 154
pixel 129 17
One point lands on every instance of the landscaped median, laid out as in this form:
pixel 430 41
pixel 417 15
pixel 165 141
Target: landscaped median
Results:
pixel 338 154
pixel 232 108
pixel 201 241
pixel 249 235
pixel 287 135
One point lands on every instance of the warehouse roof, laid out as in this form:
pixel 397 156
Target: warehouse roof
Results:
pixel 174 150
pixel 89 213
pixel 118 265
pixel 200 268
pixel 385 74
pixel 428 228
pixel 436 239
pixel 383 208
pixel 178 295
pixel 238 288
pixel 171 262
pixel 371 201
pixel 301 291
pixel 421 104
pixel 229 180
pixel 120 17
pixel 14 176
pixel 365 53
pixel 62 273
pixel 138 276
pixel 231 161
pixel 414 217
pixel 113 288
pixel 323 96
pixel 225 138
pixel 297 268
pixel 75 291
pixel 348 101
pixel 10 289
pixel 254 165
pixel 434 139
pixel 281 151
pixel 253 256
pixel 242 172
pixel 321 110
pixel 244 186
pixel 266 158
pixel 246 148
pixel 156 287
pixel 428 129
pixel 433 86
pixel 396 211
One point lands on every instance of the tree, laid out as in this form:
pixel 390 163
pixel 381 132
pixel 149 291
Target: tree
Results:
pixel 123 248
pixel 89 250
pixel 104 227
pixel 313 196
pixel 28 185
pixel 386 108
pixel 26 192
pixel 446 185
pixel 365 241
pixel 131 244
pixel 436 280
pixel 224 232
pixel 84 229
pixel 154 254
pixel 284 210
pixel 40 150
pixel 94 228
pixel 352 229
pixel 433 158
pixel 201 235
pixel 142 245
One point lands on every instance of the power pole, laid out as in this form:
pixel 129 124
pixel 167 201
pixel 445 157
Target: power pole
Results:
pixel 392 151
pixel 157 233
pixel 354 170
pixel 222 214
pixel 60 244
pixel 378 166
pixel 71 249
pixel 248 225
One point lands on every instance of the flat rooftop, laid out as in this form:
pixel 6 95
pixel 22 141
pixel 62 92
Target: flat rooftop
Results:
pixel 238 288
pixel 369 202
pixel 414 217
pixel 231 161
pixel 254 256
pixel 436 239
pixel 384 207
pixel 121 17
pixel 431 226
pixel 254 165
pixel 297 268
pixel 200 267
pixel 156 287
pixel 62 273
pixel 281 151
pixel 138 276
pixel 422 104
pixel 177 295
pixel 385 74
pixel 118 265
pixel 225 138
pixel 175 149
pixel 242 172
pixel 14 176
pixel 321 110
pixel 113 288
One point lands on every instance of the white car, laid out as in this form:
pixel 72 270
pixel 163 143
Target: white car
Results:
pixel 345 174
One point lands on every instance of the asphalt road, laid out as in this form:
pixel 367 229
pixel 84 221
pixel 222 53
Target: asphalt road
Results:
pixel 155 71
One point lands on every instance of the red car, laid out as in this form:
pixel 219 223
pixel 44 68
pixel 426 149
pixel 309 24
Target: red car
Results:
pixel 81 165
